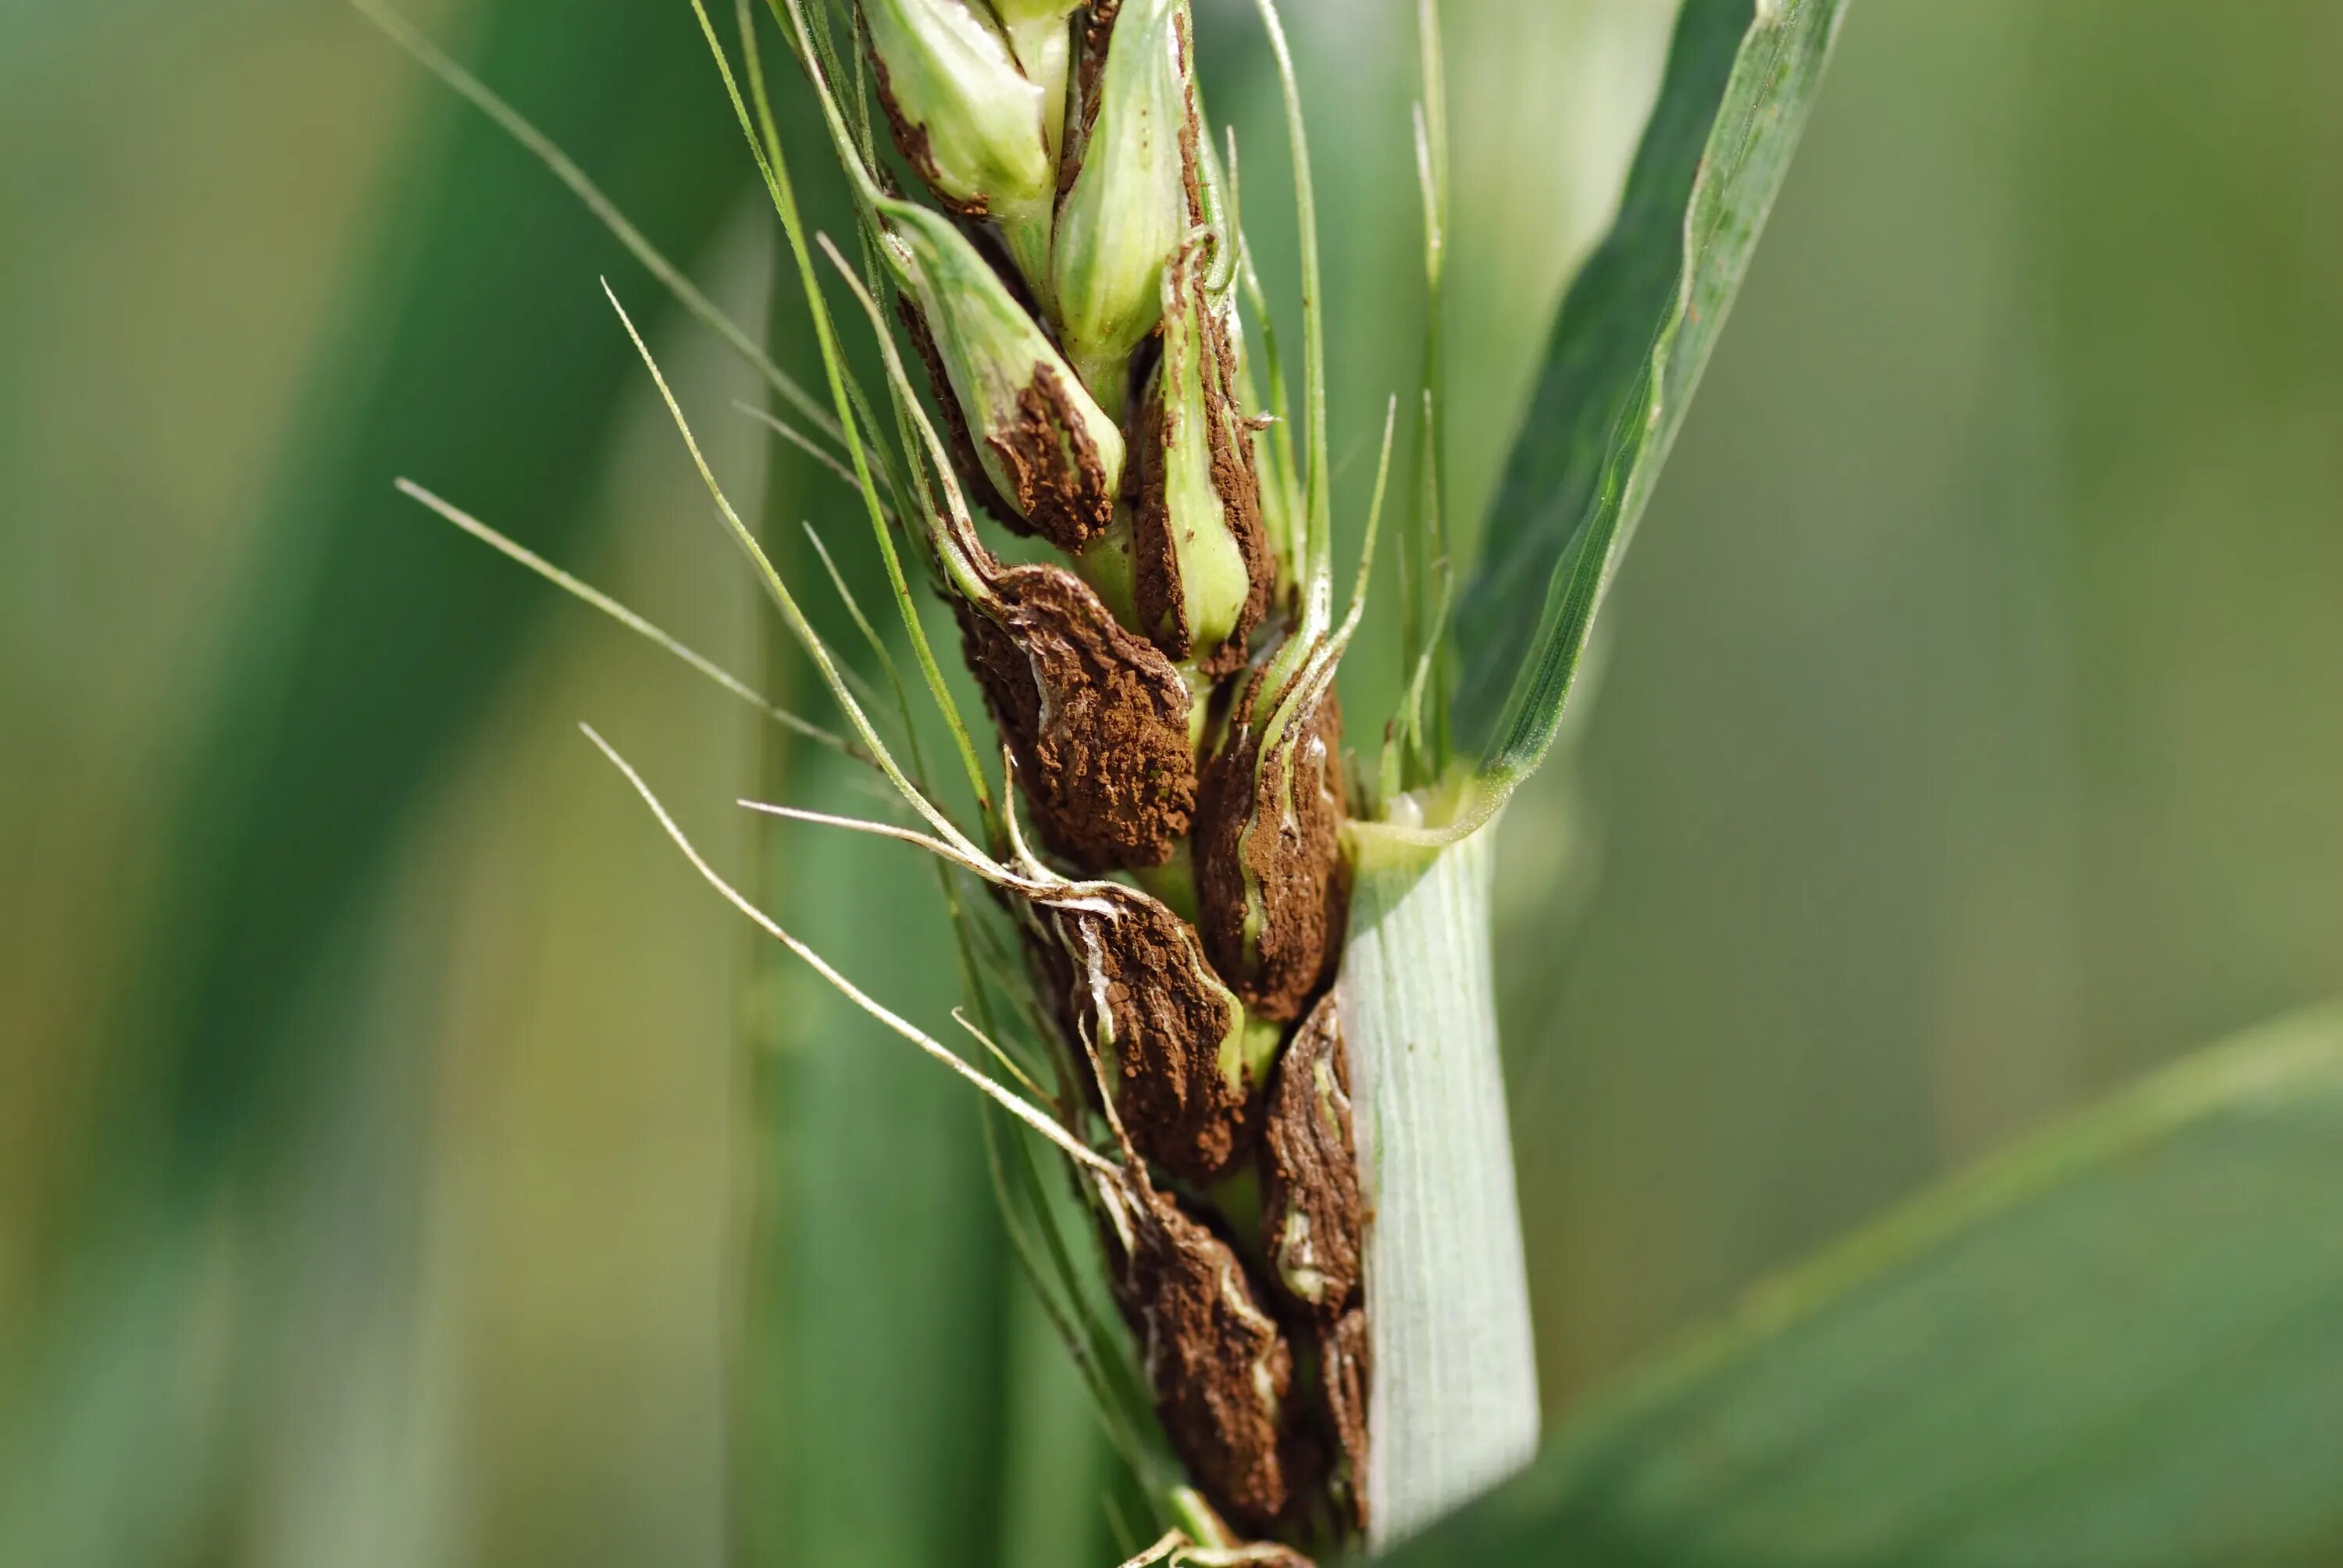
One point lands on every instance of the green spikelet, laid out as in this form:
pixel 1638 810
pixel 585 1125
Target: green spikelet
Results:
pixel 966 117
pixel 1130 205
pixel 1203 569
pixel 1050 451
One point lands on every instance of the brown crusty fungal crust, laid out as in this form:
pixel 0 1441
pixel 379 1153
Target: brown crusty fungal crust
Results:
pixel 1157 593
pixel 1160 598
pixel 1220 1367
pixel 976 484
pixel 911 141
pixel 1243 828
pixel 1310 1213
pixel 1056 481
pixel 1135 985
pixel 1192 126
pixel 1096 717
pixel 1343 1366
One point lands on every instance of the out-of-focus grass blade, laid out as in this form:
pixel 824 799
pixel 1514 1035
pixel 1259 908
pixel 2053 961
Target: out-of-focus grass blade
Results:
pixel 482 361
pixel 478 357
pixel 1628 347
pixel 2114 1347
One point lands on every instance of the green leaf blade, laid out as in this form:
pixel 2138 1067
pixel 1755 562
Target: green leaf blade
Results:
pixel 2115 1345
pixel 1633 335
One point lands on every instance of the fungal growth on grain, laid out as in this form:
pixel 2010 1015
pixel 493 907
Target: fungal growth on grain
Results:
pixel 1076 353
pixel 1228 976
pixel 1162 690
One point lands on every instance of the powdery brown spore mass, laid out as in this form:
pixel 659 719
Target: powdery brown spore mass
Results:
pixel 1096 717
pixel 1220 1366
pixel 1057 479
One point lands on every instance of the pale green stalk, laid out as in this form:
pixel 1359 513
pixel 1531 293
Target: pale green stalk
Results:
pixel 1453 1395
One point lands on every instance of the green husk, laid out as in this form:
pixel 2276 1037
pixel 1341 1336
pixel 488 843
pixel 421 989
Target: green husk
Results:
pixel 1127 209
pixel 1199 525
pixel 1050 450
pixel 967 118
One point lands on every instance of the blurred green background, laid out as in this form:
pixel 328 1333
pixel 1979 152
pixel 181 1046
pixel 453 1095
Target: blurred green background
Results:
pixel 379 1160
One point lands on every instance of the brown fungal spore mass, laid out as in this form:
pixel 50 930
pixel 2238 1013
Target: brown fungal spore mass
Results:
pixel 1057 479
pixel 1220 1365
pixel 1095 716
pixel 1269 829
pixel 1091 45
pixel 1136 980
pixel 1310 1211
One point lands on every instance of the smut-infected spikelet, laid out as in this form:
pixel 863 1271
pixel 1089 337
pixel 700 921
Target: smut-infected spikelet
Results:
pixel 1095 716
pixel 1203 574
pixel 1310 1211
pixel 1269 865
pixel 1045 448
pixel 1220 1366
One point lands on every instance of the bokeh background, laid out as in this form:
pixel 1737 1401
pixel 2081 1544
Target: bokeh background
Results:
pixel 389 1124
